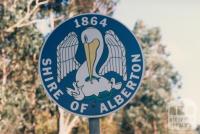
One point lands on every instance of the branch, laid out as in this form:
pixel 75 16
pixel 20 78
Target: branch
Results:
pixel 29 5
pixel 28 23
pixel 72 124
pixel 67 119
pixel 28 15
pixel 4 62
pixel 38 20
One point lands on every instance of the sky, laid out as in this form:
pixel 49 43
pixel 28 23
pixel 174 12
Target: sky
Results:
pixel 179 21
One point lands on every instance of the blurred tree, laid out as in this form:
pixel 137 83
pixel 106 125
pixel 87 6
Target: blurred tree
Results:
pixel 24 24
pixel 198 129
pixel 24 107
pixel 147 112
pixel 22 101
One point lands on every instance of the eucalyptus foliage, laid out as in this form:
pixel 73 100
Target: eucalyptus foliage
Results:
pixel 25 108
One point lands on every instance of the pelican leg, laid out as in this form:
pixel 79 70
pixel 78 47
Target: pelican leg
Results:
pixel 76 92
pixel 114 84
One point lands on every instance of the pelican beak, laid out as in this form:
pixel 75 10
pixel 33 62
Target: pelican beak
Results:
pixel 91 54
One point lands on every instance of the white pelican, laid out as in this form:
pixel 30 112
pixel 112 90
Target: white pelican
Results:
pixel 88 80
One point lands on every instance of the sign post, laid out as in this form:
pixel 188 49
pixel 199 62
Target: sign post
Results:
pixel 94 127
pixel 91 65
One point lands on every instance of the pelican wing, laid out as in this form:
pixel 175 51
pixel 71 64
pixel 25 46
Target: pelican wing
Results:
pixel 66 51
pixel 116 60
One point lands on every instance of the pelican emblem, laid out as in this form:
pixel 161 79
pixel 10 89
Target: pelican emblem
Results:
pixel 91 65
pixel 90 81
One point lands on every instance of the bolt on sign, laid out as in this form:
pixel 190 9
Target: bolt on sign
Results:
pixel 91 65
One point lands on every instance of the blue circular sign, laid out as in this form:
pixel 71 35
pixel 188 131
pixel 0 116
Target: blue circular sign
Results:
pixel 91 65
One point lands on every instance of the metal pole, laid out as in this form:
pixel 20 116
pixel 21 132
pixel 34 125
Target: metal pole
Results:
pixel 94 126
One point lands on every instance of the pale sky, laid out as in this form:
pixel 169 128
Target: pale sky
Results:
pixel 179 21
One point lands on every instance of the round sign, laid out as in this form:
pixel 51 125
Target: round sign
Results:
pixel 91 65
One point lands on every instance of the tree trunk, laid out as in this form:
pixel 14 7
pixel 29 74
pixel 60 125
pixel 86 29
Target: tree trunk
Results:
pixel 62 128
pixel 155 130
pixel 66 122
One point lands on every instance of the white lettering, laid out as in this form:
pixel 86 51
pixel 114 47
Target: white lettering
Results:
pixel 118 99
pixel 52 86
pixel 125 93
pixel 74 105
pixel 83 107
pixel 131 85
pixel 136 67
pixel 46 62
pixel 136 58
pixel 48 79
pixel 133 76
pixel 103 108
pixel 57 94
pixel 46 71
pixel 110 105
pixel 85 21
